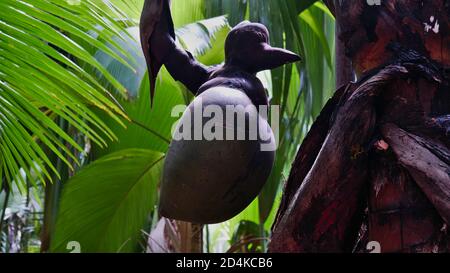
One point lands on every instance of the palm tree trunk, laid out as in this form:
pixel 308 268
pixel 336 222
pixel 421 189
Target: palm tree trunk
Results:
pixel 52 193
pixel 344 70
pixel 375 164
pixel 191 237
pixel 4 207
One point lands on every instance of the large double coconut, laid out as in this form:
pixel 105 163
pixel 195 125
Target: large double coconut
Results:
pixel 223 148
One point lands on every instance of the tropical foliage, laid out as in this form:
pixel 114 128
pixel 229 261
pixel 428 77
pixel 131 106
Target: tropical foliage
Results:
pixel 80 142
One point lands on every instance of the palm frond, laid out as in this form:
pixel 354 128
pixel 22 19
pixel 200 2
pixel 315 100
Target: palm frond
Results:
pixel 42 43
pixel 105 205
pixel 198 37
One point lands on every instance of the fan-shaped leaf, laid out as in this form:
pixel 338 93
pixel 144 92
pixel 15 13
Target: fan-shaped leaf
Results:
pixel 40 80
pixel 105 205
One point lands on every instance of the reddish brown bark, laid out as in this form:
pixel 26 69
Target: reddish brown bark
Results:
pixel 426 168
pixel 323 213
pixel 326 209
pixel 378 168
pixel 400 216
pixel 310 148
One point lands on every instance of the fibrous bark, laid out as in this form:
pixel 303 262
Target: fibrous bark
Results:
pixel 375 164
pixel 339 171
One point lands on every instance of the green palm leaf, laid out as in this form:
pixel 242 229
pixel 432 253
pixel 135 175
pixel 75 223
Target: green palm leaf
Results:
pixel 41 44
pixel 187 11
pixel 205 39
pixel 105 205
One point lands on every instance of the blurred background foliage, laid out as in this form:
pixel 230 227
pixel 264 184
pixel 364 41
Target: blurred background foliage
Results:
pixel 81 148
